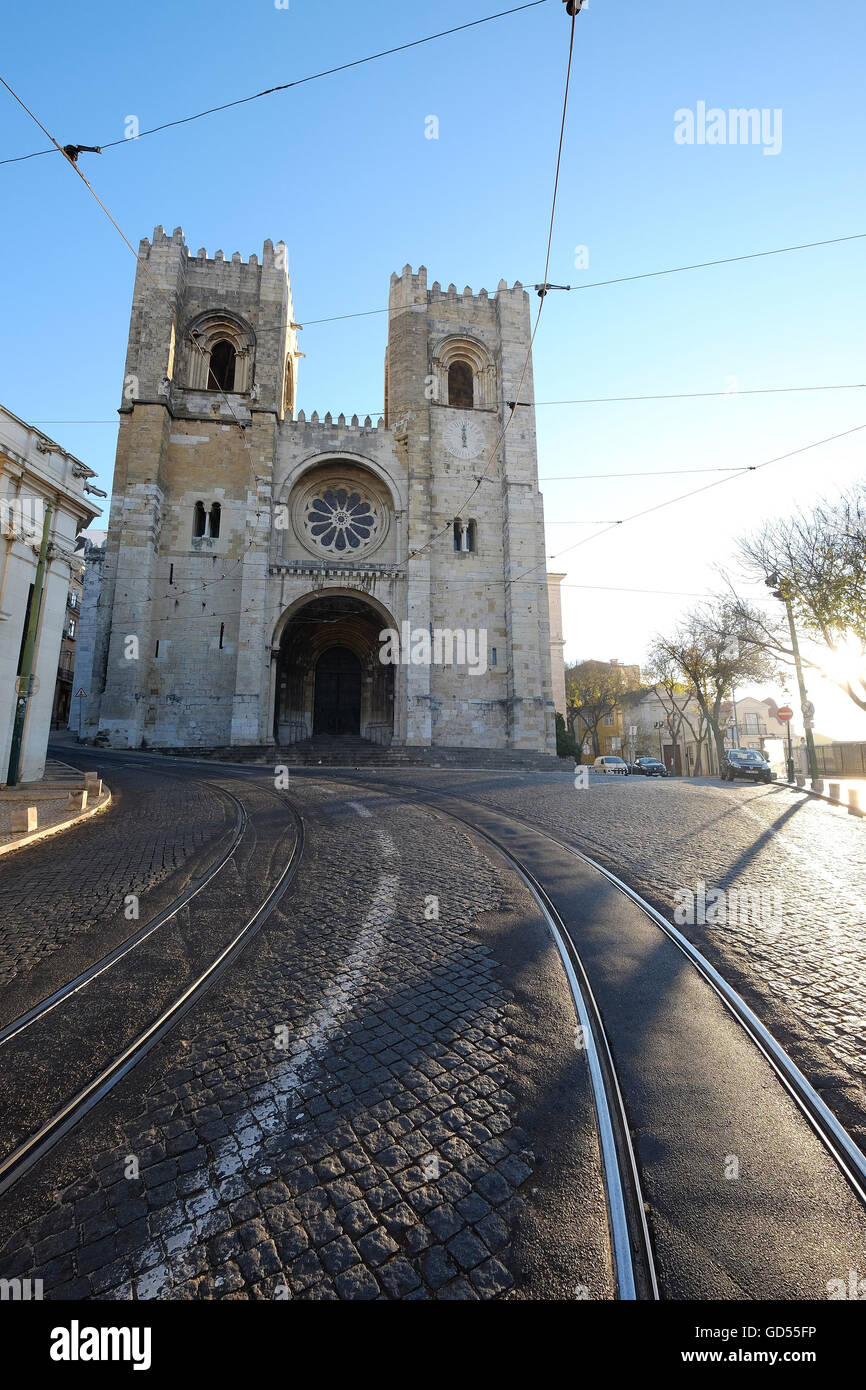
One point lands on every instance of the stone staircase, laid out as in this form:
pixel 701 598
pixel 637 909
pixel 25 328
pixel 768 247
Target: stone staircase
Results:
pixel 353 751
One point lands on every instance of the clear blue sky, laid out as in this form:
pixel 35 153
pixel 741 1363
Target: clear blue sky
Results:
pixel 341 170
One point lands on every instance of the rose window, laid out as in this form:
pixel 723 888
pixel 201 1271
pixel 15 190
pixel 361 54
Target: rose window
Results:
pixel 339 520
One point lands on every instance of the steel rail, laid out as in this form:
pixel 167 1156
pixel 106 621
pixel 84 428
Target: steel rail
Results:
pixel 630 1239
pixel 631 1247
pixel 15 1164
pixel 51 1001
pixel 835 1138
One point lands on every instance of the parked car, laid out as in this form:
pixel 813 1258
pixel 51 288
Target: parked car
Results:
pixel 650 767
pixel 610 765
pixel 746 762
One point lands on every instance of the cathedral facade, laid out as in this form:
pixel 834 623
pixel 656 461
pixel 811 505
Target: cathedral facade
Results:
pixel 270 578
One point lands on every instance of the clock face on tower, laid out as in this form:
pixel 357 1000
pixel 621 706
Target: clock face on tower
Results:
pixel 463 438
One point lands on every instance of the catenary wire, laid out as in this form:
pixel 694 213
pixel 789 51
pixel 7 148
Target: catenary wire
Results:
pixel 298 82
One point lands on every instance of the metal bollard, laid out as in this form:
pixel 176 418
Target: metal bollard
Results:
pixel 853 802
pixel 834 791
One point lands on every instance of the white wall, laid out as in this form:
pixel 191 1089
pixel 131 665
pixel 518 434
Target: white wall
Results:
pixel 30 476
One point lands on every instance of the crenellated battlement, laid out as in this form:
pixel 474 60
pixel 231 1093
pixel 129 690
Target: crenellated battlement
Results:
pixel 410 288
pixel 338 426
pixel 273 256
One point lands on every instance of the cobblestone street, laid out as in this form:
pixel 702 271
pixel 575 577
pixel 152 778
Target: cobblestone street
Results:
pixel 805 972
pixel 155 832
pixel 383 1100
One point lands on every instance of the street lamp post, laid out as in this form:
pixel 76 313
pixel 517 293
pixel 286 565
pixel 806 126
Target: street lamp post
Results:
pixel 736 721
pixel 779 591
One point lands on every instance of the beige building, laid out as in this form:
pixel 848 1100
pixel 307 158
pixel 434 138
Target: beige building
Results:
pixel 557 641
pixel 36 473
pixel 66 664
pixel 257 557
pixel 681 739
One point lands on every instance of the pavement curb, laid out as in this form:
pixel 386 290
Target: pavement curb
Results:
pixel 38 835
pixel 820 796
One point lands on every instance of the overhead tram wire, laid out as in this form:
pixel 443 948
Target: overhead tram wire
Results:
pixel 593 400
pixel 596 400
pixel 494 451
pixel 245 441
pixel 122 235
pixel 643 275
pixel 739 473
pixel 298 82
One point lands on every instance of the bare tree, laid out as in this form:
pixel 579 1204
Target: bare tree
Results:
pixel 677 698
pixel 713 655
pixel 592 689
pixel 817 560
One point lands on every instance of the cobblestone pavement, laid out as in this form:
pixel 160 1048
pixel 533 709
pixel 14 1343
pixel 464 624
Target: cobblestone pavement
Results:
pixel 803 968
pixel 381 1100
pixel 66 895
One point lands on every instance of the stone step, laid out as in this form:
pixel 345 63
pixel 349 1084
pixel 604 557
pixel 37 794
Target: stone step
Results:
pixel 362 754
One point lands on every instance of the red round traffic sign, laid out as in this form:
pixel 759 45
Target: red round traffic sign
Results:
pixel 785 713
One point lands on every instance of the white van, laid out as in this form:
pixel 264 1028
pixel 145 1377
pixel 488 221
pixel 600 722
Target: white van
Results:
pixel 611 765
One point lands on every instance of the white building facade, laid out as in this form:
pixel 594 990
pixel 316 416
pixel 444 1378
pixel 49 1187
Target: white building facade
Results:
pixel 35 473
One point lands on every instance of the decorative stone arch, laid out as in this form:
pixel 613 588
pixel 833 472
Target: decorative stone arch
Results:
pixel 341 591
pixel 397 486
pixel 206 337
pixel 463 352
pixel 309 628
pixel 358 496
pixel 465 535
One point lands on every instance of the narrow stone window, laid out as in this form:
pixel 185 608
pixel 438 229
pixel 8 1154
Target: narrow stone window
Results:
pixel 221 376
pixel 214 521
pixel 458 533
pixel 492 656
pixel 222 632
pixel 156 651
pixel 470 536
pixel 171 574
pixel 198 520
pixel 460 385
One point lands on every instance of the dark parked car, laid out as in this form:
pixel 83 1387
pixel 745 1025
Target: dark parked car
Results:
pixel 650 767
pixel 746 762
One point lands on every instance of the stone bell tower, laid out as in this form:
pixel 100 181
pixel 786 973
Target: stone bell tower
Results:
pixel 475 551
pixel 210 372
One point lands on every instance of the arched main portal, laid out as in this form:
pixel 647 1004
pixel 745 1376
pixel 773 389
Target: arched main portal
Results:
pixel 330 682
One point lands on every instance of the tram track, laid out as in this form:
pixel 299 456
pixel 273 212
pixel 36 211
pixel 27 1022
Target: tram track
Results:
pixel 26 1029
pixel 58 996
pixel 635 1256
pixel 683 1075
